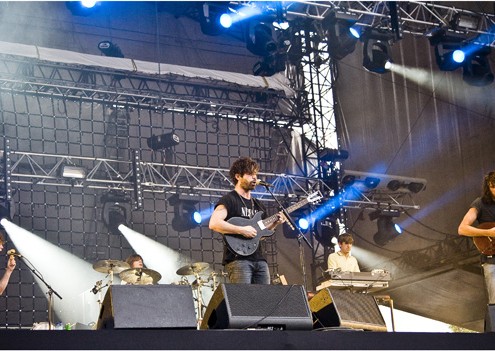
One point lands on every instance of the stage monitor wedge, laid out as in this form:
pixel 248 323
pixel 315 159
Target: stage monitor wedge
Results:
pixel 148 306
pixel 253 306
pixel 342 308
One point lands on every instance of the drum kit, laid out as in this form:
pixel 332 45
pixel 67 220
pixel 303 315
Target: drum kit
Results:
pixel 196 270
pixel 145 276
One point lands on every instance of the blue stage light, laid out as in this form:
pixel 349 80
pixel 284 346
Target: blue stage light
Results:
pixel 226 20
pixel 303 223
pixel 88 3
pixel 458 56
pixel 354 32
pixel 196 217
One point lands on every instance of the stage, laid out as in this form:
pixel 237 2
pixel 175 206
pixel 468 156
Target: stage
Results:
pixel 154 339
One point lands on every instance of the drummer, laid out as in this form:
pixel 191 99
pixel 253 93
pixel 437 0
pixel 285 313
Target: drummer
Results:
pixel 135 261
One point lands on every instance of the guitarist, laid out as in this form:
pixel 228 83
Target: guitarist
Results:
pixel 482 210
pixel 252 269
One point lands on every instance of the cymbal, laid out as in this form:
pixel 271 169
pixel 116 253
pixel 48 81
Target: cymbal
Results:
pixel 193 268
pixel 105 266
pixel 140 276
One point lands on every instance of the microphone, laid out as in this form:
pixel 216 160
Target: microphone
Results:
pixel 12 252
pixel 260 182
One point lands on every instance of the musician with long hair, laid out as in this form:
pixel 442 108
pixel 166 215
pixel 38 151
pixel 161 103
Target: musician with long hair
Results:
pixel 482 212
pixel 8 270
pixel 252 268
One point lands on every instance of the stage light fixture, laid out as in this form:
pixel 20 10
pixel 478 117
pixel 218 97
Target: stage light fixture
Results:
pixel 342 37
pixel 449 53
pixel 269 65
pixel 213 20
pixel 465 21
pixel 385 183
pixel 116 207
pixel 476 69
pixel 398 185
pixel 377 54
pixel 186 215
pixel 260 39
pixel 225 20
pixel 73 172
pixel 163 141
pixel 387 229
pixel 82 8
pixel 110 49
pixel 327 231
pixel 332 155
pixel 303 221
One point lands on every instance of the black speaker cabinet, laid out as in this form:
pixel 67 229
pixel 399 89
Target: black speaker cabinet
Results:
pixel 241 306
pixel 490 318
pixel 148 306
pixel 341 308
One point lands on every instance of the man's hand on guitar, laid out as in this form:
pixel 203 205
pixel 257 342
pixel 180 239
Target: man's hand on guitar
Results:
pixel 248 232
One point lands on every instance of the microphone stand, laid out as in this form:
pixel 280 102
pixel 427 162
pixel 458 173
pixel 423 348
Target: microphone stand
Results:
pixel 300 235
pixel 50 289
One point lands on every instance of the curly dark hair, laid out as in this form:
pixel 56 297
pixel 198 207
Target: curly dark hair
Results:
pixel 243 165
pixel 488 180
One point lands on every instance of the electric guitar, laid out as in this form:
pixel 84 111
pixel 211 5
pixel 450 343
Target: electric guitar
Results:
pixel 485 244
pixel 244 246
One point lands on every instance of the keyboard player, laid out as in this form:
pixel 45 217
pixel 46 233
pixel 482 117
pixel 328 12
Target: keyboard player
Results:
pixel 343 259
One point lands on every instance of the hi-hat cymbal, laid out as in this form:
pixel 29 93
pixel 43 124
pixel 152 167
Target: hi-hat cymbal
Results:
pixel 193 268
pixel 107 266
pixel 140 276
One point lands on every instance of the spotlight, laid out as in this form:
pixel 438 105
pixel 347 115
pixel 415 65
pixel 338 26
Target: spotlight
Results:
pixel 385 183
pixel 269 65
pixel 259 39
pixel 476 69
pixel 225 20
pixel 89 4
pixel 371 182
pixel 376 51
pixel 464 21
pixel 212 20
pixel 82 8
pixel 448 49
pixel 327 231
pixel 186 216
pixel 116 206
pixel 342 37
pixel 164 141
pixel 117 215
pixel 303 224
pixel 387 229
pixel 332 155
pixel 110 49
pixel 302 221
pixel 73 172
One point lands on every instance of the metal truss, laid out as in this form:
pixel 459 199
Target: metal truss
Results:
pixel 454 252
pixel 167 92
pixel 46 169
pixel 414 17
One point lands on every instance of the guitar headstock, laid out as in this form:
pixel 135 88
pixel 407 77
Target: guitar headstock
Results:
pixel 314 197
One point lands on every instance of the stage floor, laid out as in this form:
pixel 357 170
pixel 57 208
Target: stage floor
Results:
pixel 155 339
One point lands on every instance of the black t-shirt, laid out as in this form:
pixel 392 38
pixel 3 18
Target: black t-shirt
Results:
pixel 238 206
pixel 486 212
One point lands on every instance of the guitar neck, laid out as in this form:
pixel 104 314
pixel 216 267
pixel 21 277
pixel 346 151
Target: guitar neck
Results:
pixel 273 218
